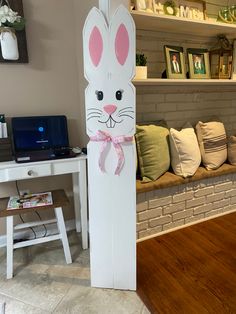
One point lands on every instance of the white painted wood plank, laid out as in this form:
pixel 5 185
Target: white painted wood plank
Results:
pixel 124 226
pixel 83 203
pixel 172 24
pixel 63 234
pixel 34 224
pixel 77 205
pixel 2 307
pixel 9 220
pixel 36 241
pixel 109 7
pixel 113 222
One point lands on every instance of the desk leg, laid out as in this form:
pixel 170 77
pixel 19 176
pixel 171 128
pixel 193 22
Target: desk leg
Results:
pixel 80 193
pixel 75 177
pixel 9 247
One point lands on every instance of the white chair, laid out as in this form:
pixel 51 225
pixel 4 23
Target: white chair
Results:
pixel 59 200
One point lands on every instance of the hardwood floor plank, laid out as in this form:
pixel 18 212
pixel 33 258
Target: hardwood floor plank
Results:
pixel 192 270
pixel 160 282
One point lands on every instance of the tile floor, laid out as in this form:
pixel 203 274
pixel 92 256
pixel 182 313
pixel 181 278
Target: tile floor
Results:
pixel 43 283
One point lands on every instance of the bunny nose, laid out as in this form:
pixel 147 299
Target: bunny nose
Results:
pixel 110 109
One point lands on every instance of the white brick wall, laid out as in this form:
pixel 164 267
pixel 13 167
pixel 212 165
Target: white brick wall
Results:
pixel 179 104
pixel 165 209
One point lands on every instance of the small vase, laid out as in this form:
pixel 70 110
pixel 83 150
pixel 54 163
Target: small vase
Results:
pixel 141 73
pixel 9 44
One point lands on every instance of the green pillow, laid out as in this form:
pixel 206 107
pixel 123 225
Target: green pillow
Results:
pixel 153 150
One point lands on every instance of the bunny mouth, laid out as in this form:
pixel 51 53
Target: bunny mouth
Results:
pixel 110 123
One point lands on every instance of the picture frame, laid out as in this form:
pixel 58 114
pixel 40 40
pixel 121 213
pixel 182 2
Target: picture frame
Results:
pixel 233 76
pixel 199 63
pixel 192 9
pixel 144 5
pixel 175 62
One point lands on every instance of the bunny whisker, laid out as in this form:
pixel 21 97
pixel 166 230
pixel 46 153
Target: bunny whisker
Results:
pixel 95 109
pixel 126 115
pixel 128 111
pixel 94 113
pixel 125 108
pixel 92 117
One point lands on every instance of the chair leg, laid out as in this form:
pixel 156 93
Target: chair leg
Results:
pixel 9 247
pixel 2 308
pixel 62 230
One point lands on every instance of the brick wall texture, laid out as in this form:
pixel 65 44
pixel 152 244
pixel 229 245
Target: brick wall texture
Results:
pixel 179 104
pixel 162 210
pixel 165 209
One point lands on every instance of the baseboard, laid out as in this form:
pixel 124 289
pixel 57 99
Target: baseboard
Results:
pixel 40 231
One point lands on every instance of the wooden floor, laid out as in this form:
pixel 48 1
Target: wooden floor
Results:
pixel 192 270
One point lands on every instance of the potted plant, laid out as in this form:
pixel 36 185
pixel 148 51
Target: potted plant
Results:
pixel 141 68
pixel 10 22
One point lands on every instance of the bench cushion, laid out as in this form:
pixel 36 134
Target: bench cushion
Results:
pixel 170 179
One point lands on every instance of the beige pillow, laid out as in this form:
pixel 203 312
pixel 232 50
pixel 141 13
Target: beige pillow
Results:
pixel 232 150
pixel 213 145
pixel 185 152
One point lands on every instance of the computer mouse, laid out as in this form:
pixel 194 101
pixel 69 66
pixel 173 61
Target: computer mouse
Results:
pixel 76 150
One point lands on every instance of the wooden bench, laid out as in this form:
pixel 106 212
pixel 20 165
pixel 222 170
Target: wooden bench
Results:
pixel 59 200
pixel 169 179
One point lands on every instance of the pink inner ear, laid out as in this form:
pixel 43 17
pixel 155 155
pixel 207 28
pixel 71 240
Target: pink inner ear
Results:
pixel 95 46
pixel 122 44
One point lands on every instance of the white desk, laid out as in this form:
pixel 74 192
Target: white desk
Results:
pixel 12 171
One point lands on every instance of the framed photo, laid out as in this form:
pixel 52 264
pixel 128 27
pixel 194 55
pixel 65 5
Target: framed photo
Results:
pixel 175 64
pixel 233 76
pixel 192 9
pixel 199 64
pixel 144 5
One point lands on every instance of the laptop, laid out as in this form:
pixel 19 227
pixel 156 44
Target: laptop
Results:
pixel 40 138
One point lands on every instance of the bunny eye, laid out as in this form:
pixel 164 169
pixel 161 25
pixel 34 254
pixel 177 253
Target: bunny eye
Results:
pixel 119 94
pixel 99 94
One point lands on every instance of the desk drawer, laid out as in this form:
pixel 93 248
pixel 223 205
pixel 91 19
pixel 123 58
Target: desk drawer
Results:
pixel 28 172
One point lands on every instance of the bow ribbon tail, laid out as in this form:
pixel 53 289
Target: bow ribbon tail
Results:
pixel 121 158
pixel 101 161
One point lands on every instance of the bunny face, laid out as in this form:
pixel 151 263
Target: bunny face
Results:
pixel 109 108
pixel 109 60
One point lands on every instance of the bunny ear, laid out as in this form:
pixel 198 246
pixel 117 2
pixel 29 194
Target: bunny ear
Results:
pixel 95 44
pixel 122 43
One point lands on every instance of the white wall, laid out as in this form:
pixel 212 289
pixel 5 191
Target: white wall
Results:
pixel 52 82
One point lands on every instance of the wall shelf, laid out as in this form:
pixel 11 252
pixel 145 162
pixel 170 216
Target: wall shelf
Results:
pixel 183 82
pixel 172 24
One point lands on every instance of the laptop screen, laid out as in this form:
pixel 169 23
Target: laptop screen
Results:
pixel 39 133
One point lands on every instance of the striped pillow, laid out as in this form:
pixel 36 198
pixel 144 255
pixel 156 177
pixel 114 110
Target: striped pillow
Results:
pixel 213 144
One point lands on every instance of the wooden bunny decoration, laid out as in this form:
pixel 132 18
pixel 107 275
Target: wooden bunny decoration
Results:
pixel 109 66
